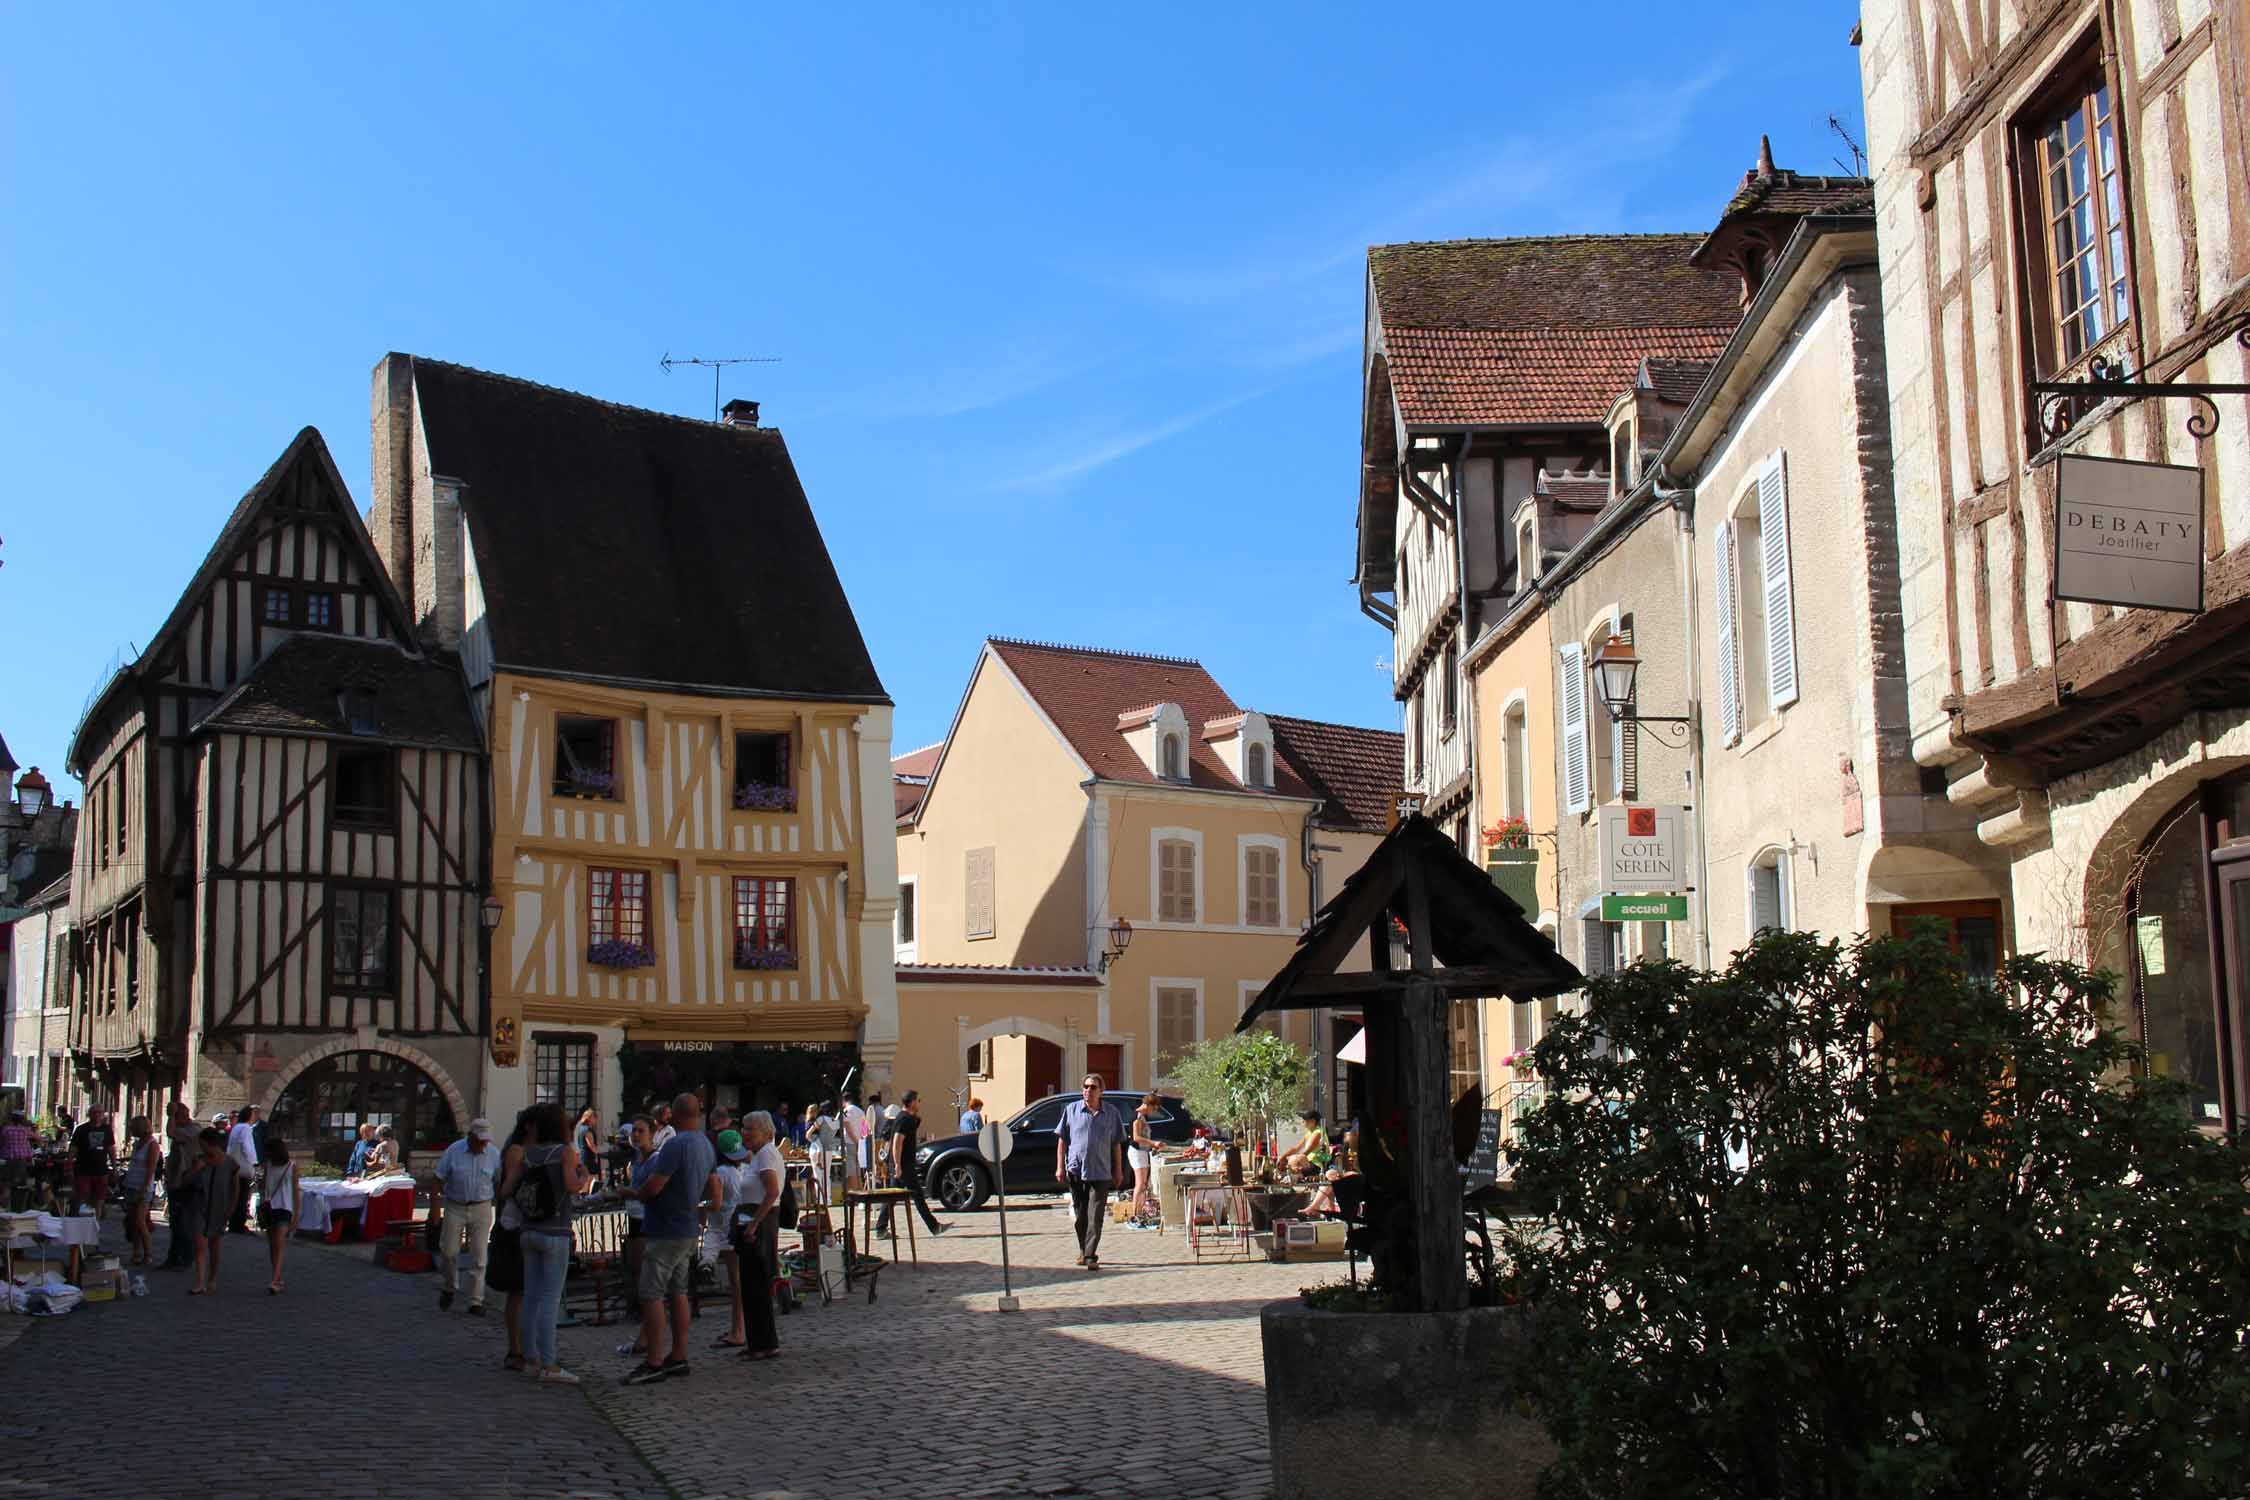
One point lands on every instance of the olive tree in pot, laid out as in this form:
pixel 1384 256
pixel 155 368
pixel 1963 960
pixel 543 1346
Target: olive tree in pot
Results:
pixel 1246 1081
pixel 1846 1221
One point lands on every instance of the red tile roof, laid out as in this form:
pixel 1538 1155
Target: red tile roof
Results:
pixel 917 762
pixel 1447 377
pixel 1359 772
pixel 1540 330
pixel 910 777
pixel 1674 380
pixel 1085 690
pixel 1573 491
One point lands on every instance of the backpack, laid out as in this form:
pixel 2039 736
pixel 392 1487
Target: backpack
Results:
pixel 535 1198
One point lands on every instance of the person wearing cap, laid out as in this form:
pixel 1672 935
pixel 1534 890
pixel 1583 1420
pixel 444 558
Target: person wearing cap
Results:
pixel 466 1172
pixel 718 1233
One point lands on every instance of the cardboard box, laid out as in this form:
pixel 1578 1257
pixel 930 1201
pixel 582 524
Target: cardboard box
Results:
pixel 1308 1239
pixel 102 1286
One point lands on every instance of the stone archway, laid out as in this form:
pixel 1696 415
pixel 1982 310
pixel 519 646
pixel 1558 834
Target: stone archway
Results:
pixel 337 1046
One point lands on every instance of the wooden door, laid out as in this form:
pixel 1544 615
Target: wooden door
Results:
pixel 1972 930
pixel 2230 874
pixel 1106 1061
pixel 1042 1072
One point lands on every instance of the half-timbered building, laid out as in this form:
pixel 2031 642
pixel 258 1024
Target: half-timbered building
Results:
pixel 276 880
pixel 689 745
pixel 2063 195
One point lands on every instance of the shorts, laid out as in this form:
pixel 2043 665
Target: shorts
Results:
pixel 275 1218
pixel 90 1189
pixel 131 1196
pixel 665 1265
pixel 503 1261
pixel 1136 1158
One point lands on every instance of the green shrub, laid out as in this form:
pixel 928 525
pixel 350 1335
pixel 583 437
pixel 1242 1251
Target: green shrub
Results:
pixel 1246 1081
pixel 1847 1222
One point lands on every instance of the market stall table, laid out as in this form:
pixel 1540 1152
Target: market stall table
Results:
pixel 322 1202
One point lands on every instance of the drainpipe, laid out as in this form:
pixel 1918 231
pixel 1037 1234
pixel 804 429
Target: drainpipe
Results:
pixel 1682 502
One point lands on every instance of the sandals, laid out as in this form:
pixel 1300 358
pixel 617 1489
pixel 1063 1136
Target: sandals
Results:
pixel 730 1343
pixel 761 1354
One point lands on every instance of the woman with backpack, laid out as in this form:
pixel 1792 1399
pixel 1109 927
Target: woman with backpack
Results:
pixel 758 1234
pixel 277 1209
pixel 538 1180
pixel 719 1244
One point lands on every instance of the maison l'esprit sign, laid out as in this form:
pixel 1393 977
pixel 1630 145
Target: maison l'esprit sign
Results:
pixel 2129 533
pixel 1643 849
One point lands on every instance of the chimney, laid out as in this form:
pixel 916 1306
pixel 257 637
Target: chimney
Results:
pixel 390 513
pixel 739 414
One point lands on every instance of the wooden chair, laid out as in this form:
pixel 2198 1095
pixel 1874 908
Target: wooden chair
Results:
pixel 598 1249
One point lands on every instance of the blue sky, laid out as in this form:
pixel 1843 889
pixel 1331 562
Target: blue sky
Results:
pixel 1067 305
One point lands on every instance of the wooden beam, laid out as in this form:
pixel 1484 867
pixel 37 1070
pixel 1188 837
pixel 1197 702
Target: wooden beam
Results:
pixel 1466 981
pixel 1433 1182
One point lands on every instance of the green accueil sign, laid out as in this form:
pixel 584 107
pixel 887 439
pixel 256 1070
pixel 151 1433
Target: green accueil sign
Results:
pixel 1644 908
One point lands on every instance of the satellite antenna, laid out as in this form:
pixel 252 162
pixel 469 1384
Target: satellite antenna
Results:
pixel 716 366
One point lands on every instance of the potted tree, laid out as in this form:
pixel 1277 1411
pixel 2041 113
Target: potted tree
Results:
pixel 1247 1082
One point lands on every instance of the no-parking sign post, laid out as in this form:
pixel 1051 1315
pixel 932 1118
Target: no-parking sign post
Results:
pixel 994 1143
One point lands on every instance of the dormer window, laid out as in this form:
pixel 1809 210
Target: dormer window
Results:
pixel 1172 758
pixel 1259 774
pixel 1527 554
pixel 358 707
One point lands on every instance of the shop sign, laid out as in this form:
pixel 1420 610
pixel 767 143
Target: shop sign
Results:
pixel 1644 908
pixel 2129 533
pixel 1644 849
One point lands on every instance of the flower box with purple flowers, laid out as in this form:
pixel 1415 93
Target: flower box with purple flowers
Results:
pixel 620 954
pixel 764 796
pixel 749 956
pixel 588 783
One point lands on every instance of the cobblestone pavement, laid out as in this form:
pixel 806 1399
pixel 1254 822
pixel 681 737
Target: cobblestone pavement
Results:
pixel 1143 1378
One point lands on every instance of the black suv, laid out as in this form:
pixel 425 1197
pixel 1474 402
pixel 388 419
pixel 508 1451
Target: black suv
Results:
pixel 957 1177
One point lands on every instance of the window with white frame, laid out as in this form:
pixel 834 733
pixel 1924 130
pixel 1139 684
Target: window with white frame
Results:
pixel 1260 873
pixel 1769 895
pixel 1172 758
pixel 1515 744
pixel 902 934
pixel 1527 555
pixel 1259 773
pixel 1178 1024
pixel 1178 875
pixel 1757 627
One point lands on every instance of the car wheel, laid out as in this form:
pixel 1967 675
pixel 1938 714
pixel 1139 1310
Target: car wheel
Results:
pixel 960 1185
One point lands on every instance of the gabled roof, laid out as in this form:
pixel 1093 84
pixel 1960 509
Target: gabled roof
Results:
pixel 305 474
pixel 298 689
pixel 7 761
pixel 1538 330
pixel 624 545
pixel 1358 773
pixel 1673 380
pixel 1083 690
pixel 1767 202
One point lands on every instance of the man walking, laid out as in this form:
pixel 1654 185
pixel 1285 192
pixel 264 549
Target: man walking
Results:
pixel 1090 1158
pixel 681 1179
pixel 242 1150
pixel 467 1172
pixel 906 1133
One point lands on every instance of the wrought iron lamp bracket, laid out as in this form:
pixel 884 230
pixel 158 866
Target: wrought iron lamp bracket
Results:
pixel 1671 730
pixel 2063 402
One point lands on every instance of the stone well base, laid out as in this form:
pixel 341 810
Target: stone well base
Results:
pixel 1406 1405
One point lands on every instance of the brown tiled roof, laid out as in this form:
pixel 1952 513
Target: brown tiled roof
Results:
pixel 1786 192
pixel 917 762
pixel 1574 491
pixel 1530 375
pixel 1084 690
pixel 635 546
pixel 297 689
pixel 1674 380
pixel 1358 773
pixel 906 797
pixel 1565 281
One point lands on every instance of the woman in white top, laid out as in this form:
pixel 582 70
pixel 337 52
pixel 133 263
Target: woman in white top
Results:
pixel 278 1207
pixel 820 1146
pixel 760 1234
pixel 718 1232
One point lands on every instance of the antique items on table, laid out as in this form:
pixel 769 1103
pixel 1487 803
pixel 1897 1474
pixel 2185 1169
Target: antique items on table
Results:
pixel 1218 1220
pixel 322 1204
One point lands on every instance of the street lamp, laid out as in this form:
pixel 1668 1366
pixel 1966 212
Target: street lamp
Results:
pixel 1616 671
pixel 31 793
pixel 1120 938
pixel 491 913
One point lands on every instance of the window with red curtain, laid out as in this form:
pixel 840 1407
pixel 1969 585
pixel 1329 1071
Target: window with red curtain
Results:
pixel 762 915
pixel 617 906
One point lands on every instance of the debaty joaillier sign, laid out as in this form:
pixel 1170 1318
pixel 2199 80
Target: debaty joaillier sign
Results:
pixel 2129 533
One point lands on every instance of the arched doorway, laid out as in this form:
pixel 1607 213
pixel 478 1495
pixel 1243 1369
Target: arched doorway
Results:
pixel 2187 945
pixel 324 1106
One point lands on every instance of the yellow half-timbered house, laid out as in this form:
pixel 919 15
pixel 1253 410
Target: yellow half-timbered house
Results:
pixel 687 739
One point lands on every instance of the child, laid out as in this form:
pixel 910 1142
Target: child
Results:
pixel 277 1211
pixel 216 1181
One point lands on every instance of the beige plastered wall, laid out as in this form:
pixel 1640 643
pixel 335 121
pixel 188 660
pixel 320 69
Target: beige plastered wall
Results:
pixel 1521 672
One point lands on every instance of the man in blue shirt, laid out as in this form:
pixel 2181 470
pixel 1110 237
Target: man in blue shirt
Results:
pixel 366 1143
pixel 1090 1158
pixel 680 1180
pixel 467 1172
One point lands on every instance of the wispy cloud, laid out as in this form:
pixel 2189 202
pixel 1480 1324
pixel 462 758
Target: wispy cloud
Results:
pixel 1110 450
pixel 972 382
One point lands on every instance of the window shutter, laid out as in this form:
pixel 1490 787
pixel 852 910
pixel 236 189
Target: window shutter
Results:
pixel 1781 623
pixel 1765 896
pixel 1577 795
pixel 979 904
pixel 1597 951
pixel 1730 663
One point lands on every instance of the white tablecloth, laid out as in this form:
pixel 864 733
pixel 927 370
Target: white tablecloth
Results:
pixel 77 1229
pixel 318 1199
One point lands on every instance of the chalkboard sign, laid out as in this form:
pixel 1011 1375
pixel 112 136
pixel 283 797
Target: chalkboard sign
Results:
pixel 1482 1168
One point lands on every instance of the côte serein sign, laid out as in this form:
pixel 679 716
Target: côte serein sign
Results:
pixel 2129 533
pixel 1644 849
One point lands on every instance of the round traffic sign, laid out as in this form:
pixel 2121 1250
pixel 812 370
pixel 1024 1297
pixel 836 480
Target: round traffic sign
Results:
pixel 994 1141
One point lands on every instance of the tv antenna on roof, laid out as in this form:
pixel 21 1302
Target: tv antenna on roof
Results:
pixel 716 365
